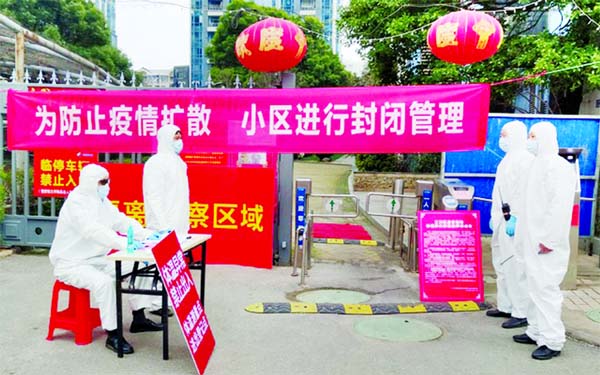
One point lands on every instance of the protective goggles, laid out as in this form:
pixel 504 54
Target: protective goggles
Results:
pixel 104 181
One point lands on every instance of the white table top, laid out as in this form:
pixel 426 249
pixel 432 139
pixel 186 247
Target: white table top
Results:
pixel 145 254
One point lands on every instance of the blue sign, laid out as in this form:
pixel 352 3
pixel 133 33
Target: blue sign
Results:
pixel 300 210
pixel 426 203
pixel 572 131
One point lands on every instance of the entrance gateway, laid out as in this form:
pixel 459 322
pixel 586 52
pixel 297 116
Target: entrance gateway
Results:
pixel 273 121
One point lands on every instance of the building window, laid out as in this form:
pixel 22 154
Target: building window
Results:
pixel 215 5
pixel 308 4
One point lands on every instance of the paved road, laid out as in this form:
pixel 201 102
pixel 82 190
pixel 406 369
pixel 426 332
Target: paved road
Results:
pixel 261 344
pixel 271 344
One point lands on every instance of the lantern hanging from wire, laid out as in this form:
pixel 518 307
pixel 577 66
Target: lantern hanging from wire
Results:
pixel 271 45
pixel 465 37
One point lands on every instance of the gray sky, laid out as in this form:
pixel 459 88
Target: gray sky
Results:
pixel 155 34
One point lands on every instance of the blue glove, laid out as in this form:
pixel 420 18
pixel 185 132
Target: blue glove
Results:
pixel 491 224
pixel 158 235
pixel 510 225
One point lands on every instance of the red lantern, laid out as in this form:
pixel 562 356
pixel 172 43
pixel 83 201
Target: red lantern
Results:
pixel 271 45
pixel 465 37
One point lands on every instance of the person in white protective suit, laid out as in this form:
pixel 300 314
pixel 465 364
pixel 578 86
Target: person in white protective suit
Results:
pixel 86 231
pixel 507 224
pixel 166 188
pixel 548 207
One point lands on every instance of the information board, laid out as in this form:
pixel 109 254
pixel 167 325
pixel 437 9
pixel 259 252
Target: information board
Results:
pixel 450 260
pixel 56 172
pixel 177 280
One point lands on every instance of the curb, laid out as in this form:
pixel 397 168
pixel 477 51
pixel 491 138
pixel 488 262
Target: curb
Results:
pixel 364 309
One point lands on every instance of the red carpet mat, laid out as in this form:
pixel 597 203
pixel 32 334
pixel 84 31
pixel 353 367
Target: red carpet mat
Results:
pixel 343 231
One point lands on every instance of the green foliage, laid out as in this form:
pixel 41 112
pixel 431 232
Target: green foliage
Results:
pixel 4 189
pixel 319 68
pixel 524 51
pixel 421 163
pixel 408 163
pixel 74 24
pixel 377 162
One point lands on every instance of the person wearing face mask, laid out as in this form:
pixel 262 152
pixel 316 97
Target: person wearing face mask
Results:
pixel 85 232
pixel 507 226
pixel 548 207
pixel 166 186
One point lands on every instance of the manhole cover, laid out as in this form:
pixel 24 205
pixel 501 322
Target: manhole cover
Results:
pixel 594 315
pixel 398 329
pixel 332 296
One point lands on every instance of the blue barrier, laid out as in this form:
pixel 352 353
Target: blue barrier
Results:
pixel 477 167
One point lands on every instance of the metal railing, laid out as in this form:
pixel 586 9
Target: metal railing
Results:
pixel 304 233
pixel 399 225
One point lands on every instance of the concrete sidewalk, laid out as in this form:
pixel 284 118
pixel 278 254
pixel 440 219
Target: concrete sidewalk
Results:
pixel 259 344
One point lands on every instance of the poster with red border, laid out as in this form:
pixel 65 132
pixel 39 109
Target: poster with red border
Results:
pixel 56 172
pixel 450 258
pixel 177 280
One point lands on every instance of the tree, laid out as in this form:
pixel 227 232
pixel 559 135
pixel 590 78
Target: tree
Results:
pixel 393 32
pixel 319 68
pixel 74 24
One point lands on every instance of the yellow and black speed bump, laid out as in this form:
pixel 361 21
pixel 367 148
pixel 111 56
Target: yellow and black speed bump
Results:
pixel 364 309
pixel 340 241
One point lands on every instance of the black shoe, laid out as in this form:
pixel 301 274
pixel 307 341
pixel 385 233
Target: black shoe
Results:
pixel 544 352
pixel 523 339
pixel 112 343
pixel 515 323
pixel 495 313
pixel 145 326
pixel 159 312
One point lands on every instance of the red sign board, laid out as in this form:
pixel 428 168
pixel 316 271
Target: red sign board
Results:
pixel 178 282
pixel 450 263
pixel 235 205
pixel 56 172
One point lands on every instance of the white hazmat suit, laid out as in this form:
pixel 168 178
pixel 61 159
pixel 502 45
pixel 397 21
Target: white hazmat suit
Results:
pixel 166 187
pixel 549 204
pixel 86 231
pixel 507 250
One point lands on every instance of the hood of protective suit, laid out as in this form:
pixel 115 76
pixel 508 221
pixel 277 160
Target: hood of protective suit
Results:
pixel 165 138
pixel 545 134
pixel 516 135
pixel 89 177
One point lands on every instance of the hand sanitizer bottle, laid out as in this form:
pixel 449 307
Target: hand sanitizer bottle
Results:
pixel 130 246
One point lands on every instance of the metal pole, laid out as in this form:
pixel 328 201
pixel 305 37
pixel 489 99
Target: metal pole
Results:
pixel 19 57
pixel 304 268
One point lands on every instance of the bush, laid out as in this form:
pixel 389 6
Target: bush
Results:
pixel 421 163
pixel 408 163
pixel 377 162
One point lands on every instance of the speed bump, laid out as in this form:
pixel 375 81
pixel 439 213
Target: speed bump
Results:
pixel 364 309
pixel 341 241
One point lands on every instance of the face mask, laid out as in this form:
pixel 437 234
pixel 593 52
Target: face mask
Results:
pixel 533 146
pixel 503 144
pixel 178 146
pixel 103 191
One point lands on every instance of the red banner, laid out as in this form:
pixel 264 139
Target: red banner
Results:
pixel 432 118
pixel 235 205
pixel 450 263
pixel 180 286
pixel 56 172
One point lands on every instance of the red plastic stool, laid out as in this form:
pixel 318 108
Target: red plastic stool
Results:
pixel 79 317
